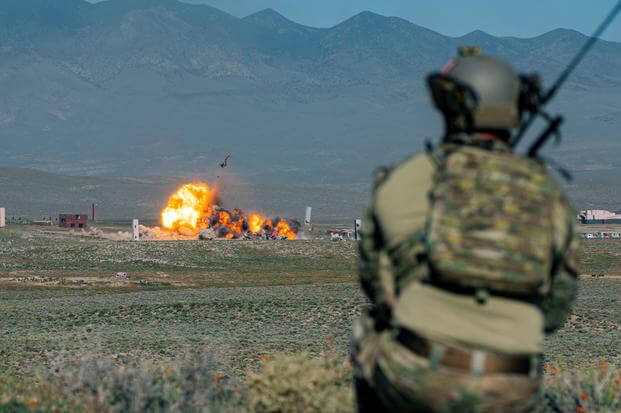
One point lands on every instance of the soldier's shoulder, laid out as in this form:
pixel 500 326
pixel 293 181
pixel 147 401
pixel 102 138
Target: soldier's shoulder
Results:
pixel 380 174
pixel 415 168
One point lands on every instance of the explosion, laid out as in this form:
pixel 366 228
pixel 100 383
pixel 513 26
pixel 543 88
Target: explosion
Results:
pixel 187 206
pixel 194 209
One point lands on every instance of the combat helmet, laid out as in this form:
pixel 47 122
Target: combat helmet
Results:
pixel 477 92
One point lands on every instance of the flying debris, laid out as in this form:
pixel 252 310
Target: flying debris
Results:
pixel 226 162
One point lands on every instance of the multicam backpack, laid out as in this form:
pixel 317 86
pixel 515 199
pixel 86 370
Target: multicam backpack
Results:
pixel 489 227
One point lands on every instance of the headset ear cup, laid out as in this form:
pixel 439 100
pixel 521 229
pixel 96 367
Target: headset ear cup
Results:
pixel 440 92
pixel 451 97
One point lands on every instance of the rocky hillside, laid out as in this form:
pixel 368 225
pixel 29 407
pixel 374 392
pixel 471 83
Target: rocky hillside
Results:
pixel 160 87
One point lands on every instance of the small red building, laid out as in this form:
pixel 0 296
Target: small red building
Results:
pixel 73 220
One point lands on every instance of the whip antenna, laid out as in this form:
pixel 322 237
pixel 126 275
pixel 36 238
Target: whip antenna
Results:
pixel 567 72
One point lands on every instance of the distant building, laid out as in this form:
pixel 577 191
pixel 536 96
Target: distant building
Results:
pixel 73 220
pixel 599 216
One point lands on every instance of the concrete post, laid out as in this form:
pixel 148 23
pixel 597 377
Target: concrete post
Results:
pixel 357 228
pixel 136 229
pixel 2 217
pixel 309 211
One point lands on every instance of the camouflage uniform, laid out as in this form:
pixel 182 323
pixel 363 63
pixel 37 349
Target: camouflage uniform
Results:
pixel 392 376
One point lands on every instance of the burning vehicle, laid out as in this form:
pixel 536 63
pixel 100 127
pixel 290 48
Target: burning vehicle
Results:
pixel 194 211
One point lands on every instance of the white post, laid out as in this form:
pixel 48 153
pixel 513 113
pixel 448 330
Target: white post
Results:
pixel 2 217
pixel 357 228
pixel 136 228
pixel 309 211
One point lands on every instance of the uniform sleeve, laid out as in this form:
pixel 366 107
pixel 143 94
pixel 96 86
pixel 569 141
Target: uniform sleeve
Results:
pixel 375 268
pixel 368 256
pixel 557 305
pixel 369 263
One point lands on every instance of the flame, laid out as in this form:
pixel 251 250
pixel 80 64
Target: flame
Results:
pixel 255 223
pixel 194 208
pixel 188 206
pixel 224 218
pixel 283 229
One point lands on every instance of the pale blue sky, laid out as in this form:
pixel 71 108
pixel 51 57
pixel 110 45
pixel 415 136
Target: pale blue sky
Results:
pixel 525 18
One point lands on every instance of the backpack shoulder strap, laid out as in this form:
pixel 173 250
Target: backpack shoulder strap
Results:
pixel 438 154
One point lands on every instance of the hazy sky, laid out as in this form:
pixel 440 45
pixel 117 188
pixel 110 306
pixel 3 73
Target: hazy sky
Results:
pixel 525 18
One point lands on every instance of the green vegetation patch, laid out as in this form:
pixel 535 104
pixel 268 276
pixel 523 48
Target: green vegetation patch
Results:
pixel 601 256
pixel 37 257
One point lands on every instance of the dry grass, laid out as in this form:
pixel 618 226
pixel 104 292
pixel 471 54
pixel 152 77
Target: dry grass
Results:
pixel 275 298
pixel 299 383
pixel 593 389
pixel 601 256
pixel 39 257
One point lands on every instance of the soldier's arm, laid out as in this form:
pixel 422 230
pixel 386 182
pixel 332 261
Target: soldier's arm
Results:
pixel 374 271
pixel 558 304
pixel 369 252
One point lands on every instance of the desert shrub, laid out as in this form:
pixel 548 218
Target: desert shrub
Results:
pixel 284 384
pixel 94 384
pixel 300 383
pixel 594 389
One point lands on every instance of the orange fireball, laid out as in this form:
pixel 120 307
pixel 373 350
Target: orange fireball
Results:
pixel 194 208
pixel 283 229
pixel 224 218
pixel 187 207
pixel 255 223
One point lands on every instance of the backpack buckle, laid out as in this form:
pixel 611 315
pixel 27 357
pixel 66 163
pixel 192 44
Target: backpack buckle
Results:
pixel 481 295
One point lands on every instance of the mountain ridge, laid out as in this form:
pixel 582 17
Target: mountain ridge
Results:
pixel 13 8
pixel 271 18
pixel 167 88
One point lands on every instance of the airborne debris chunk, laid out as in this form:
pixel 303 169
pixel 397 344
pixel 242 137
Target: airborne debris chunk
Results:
pixel 226 162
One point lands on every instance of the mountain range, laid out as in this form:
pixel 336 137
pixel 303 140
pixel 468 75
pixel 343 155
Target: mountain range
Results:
pixel 160 87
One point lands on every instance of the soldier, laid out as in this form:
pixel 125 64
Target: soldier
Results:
pixel 468 257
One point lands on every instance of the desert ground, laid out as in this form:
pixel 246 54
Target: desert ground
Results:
pixel 236 304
